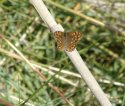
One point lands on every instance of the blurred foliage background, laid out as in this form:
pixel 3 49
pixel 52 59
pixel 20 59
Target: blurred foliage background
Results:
pixel 102 48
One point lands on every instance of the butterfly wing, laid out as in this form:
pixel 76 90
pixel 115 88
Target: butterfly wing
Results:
pixel 59 37
pixel 72 39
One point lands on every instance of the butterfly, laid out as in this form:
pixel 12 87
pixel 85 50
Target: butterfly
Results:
pixel 67 41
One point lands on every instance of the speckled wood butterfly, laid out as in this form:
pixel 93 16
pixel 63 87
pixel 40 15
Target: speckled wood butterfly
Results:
pixel 67 41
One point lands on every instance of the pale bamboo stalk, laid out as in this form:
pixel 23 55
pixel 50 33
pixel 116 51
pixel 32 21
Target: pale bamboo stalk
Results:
pixel 74 55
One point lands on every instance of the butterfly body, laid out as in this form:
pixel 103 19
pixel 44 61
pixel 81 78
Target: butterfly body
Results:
pixel 67 41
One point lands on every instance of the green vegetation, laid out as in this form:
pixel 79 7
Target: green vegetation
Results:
pixel 102 48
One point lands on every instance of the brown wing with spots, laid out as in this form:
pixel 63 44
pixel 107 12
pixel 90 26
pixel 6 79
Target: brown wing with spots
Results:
pixel 72 39
pixel 59 37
